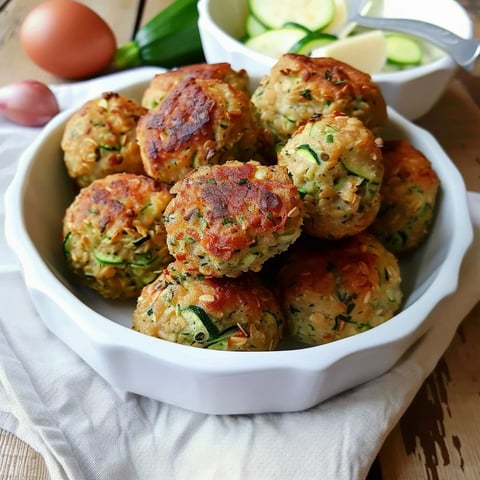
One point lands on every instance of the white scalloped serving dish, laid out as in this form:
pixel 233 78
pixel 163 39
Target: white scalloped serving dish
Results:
pixel 215 381
pixel 411 92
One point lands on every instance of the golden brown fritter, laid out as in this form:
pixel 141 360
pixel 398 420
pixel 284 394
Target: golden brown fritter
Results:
pixel 299 87
pixel 336 165
pixel 409 193
pixel 101 139
pixel 228 219
pixel 200 122
pixel 334 290
pixel 163 83
pixel 114 236
pixel 215 313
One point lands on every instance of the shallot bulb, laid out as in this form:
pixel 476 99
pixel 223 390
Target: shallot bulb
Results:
pixel 28 102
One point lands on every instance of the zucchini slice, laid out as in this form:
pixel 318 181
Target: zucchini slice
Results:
pixel 275 43
pixel 311 41
pixel 253 27
pixel 66 244
pixel 296 25
pixel 220 342
pixel 143 260
pixel 403 50
pixel 365 171
pixel 202 322
pixel 312 14
pixel 307 152
pixel 109 259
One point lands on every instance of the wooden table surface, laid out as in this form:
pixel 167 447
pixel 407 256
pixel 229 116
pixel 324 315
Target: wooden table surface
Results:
pixel 439 435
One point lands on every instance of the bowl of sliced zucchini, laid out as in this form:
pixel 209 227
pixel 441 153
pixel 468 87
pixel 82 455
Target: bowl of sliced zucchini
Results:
pixel 412 72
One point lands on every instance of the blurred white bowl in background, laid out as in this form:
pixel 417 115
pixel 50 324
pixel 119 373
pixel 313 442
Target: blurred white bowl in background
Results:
pixel 411 92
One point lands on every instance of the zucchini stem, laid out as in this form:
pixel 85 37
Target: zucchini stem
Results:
pixel 127 56
pixel 170 39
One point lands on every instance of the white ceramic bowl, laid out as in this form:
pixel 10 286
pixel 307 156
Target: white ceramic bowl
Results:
pixel 411 92
pixel 216 381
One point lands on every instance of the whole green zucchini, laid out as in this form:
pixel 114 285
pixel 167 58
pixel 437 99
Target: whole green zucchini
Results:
pixel 169 39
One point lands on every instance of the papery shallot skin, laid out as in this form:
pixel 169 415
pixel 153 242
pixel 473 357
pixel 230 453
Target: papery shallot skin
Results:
pixel 29 103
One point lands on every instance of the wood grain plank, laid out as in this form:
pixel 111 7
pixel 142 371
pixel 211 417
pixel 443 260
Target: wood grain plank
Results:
pixel 15 65
pixel 19 461
pixel 437 438
pixel 458 132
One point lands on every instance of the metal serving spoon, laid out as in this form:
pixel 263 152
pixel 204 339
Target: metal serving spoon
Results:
pixel 463 51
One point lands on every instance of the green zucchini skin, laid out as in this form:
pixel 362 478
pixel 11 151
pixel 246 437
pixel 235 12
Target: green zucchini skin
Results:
pixel 235 314
pixel 169 39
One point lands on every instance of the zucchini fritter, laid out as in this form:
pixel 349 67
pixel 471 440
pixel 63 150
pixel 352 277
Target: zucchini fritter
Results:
pixel 409 192
pixel 337 167
pixel 334 290
pixel 215 313
pixel 163 83
pixel 201 122
pixel 100 139
pixel 299 87
pixel 114 236
pixel 231 218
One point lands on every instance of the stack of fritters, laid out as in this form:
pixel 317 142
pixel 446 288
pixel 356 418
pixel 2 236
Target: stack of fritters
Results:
pixel 253 217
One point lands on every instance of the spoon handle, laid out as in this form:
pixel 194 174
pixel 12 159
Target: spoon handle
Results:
pixel 464 51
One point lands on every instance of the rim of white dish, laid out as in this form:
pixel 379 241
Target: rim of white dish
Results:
pixel 106 333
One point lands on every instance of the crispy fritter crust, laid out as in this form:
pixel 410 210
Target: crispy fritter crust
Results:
pixel 228 219
pixel 216 313
pixel 409 193
pixel 163 83
pixel 335 290
pixel 200 122
pixel 101 139
pixel 335 163
pixel 114 236
pixel 299 87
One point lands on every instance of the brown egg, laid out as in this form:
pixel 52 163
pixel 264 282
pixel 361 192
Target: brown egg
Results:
pixel 67 39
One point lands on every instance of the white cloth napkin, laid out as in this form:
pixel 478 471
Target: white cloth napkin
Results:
pixel 87 430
